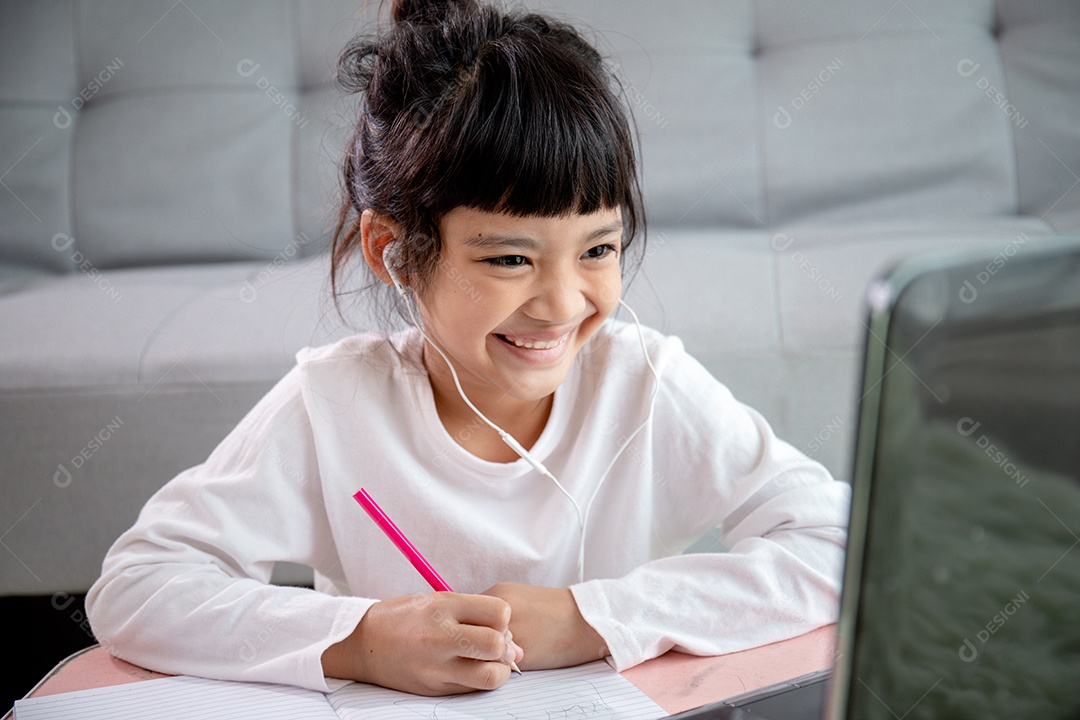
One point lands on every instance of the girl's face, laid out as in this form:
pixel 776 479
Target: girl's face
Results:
pixel 514 299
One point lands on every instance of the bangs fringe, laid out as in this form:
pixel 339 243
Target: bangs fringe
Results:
pixel 475 107
pixel 528 132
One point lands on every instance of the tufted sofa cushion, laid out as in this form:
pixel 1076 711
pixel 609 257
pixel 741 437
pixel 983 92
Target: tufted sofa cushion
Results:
pixel 169 182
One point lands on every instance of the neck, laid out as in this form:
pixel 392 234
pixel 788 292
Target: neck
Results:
pixel 525 420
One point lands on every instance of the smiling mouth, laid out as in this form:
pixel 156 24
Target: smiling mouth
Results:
pixel 533 344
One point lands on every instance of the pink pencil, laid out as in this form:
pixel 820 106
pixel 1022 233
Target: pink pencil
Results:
pixel 398 538
pixel 407 548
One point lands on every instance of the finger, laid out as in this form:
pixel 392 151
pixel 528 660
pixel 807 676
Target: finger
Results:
pixel 519 652
pixel 483 610
pixel 477 674
pixel 475 642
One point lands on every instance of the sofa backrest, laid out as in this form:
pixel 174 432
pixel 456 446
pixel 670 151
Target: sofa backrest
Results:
pixel 763 113
pixel 139 133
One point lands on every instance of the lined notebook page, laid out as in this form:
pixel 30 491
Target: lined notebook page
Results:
pixel 586 691
pixel 180 698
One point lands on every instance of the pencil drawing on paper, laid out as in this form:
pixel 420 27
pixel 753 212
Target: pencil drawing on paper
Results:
pixel 577 699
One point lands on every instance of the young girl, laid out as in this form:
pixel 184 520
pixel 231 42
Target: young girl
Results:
pixel 492 187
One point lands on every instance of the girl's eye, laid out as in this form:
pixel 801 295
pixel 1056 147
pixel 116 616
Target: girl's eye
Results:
pixel 600 251
pixel 507 261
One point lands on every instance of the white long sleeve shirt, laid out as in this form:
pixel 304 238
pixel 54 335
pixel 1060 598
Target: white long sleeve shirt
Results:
pixel 186 590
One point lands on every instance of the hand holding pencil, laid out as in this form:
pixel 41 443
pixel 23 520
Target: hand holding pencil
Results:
pixel 420 562
pixel 428 644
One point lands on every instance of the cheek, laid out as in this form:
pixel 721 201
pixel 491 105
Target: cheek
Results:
pixel 608 289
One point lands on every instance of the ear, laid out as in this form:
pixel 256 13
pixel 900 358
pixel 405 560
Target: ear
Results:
pixel 376 232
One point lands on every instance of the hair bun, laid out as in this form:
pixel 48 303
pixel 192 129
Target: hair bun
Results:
pixel 426 11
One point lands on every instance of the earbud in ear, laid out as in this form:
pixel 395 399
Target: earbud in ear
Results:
pixel 391 257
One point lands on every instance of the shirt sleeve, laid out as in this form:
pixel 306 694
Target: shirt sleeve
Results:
pixel 781 517
pixel 186 590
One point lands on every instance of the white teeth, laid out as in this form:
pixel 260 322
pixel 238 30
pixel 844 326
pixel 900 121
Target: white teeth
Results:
pixel 538 345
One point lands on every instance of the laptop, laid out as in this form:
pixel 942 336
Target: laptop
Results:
pixel 961 590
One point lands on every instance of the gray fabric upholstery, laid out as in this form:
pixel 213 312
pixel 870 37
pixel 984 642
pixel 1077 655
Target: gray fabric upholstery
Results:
pixel 169 183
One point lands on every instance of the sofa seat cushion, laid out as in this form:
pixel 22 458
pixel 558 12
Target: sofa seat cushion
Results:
pixel 159 327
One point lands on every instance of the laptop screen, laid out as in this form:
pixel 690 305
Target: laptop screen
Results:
pixel 966 595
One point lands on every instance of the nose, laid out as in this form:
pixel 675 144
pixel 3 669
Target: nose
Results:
pixel 559 296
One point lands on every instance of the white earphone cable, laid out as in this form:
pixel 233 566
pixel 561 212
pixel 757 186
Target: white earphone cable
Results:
pixel 626 442
pixel 507 437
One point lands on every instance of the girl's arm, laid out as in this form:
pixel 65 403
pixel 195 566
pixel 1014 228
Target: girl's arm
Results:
pixel 763 589
pixel 778 578
pixel 548 622
pixel 707 463
pixel 186 589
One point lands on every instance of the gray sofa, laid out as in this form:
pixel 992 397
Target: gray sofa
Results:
pixel 168 174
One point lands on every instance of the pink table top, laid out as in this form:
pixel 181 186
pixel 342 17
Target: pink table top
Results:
pixel 674 681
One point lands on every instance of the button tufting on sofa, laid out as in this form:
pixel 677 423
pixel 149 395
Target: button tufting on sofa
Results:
pixel 169 181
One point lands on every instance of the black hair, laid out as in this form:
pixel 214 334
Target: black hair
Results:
pixel 467 105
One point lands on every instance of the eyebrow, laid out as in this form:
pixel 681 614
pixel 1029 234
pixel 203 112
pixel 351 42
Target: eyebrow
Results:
pixel 528 243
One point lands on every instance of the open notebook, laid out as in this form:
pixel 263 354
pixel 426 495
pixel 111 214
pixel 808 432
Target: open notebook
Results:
pixel 593 690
